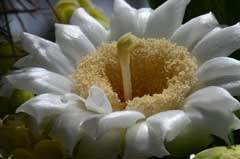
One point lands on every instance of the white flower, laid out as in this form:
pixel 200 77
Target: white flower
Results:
pixel 199 103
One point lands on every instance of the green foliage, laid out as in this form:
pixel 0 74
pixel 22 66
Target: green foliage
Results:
pixel 220 153
pixel 8 105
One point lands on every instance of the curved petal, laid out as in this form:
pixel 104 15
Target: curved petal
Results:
pixel 95 32
pixel 39 80
pixel 223 72
pixel 46 107
pixel 138 142
pixel 209 106
pixel 110 146
pixel 190 33
pixel 212 97
pixel 166 19
pixel 27 61
pixel 117 120
pixel 143 15
pixel 73 42
pixel 47 54
pixel 217 68
pixel 67 126
pixel 123 19
pixel 217 44
pixel 97 101
pixel 165 126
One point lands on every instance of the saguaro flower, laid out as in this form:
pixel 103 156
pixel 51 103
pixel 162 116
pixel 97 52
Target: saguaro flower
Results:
pixel 148 87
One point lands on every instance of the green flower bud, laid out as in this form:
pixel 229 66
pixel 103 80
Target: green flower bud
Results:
pixel 64 10
pixel 48 149
pixel 20 154
pixel 220 153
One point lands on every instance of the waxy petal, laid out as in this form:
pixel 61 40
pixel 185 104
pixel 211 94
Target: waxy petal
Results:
pixel 97 101
pixel 123 19
pixel 166 19
pixel 73 42
pixel 209 106
pixel 191 32
pixel 47 54
pixel 118 120
pixel 46 107
pixel 218 44
pixel 94 31
pixel 39 80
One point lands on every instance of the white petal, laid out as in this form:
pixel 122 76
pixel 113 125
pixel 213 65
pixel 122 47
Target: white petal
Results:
pixel 117 120
pixel 123 19
pixel 165 126
pixel 212 97
pixel 73 42
pixel 110 146
pixel 190 33
pixel 219 43
pixel 138 142
pixel 27 61
pixel 97 101
pixel 47 54
pixel 166 19
pixel 95 32
pixel 210 106
pixel 46 107
pixel 142 19
pixel 67 127
pixel 223 72
pixel 217 68
pixel 39 80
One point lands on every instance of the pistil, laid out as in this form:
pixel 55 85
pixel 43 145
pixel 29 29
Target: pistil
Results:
pixel 126 44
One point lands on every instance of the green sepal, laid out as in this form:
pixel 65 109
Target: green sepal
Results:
pixel 232 152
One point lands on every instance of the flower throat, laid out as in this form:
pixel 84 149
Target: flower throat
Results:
pixel 146 75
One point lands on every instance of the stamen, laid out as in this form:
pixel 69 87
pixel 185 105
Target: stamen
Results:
pixel 126 44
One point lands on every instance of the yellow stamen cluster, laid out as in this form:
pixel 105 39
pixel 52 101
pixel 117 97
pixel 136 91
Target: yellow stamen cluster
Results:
pixel 162 75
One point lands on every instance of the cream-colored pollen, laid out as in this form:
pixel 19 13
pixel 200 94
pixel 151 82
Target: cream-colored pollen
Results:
pixel 162 75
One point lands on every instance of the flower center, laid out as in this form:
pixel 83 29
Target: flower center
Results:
pixel 146 75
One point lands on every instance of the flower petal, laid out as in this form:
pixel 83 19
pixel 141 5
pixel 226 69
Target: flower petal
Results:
pixel 47 54
pixel 166 19
pixel 117 120
pixel 165 126
pixel 223 72
pixel 190 33
pixel 217 68
pixel 27 61
pixel 219 43
pixel 39 80
pixel 97 101
pixel 95 32
pixel 212 97
pixel 123 19
pixel 46 107
pixel 67 127
pixel 110 146
pixel 143 15
pixel 138 142
pixel 73 42
pixel 209 106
